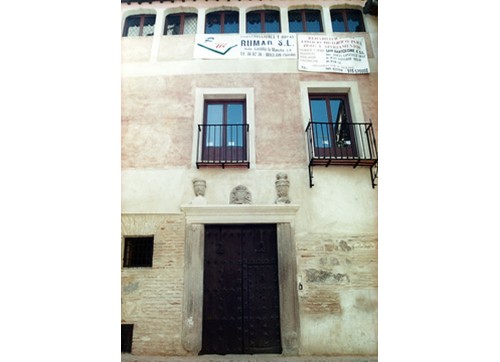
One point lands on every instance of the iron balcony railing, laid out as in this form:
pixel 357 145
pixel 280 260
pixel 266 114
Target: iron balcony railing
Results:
pixel 347 144
pixel 223 145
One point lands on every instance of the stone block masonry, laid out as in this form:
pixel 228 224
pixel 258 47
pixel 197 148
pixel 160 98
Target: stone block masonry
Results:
pixel 152 297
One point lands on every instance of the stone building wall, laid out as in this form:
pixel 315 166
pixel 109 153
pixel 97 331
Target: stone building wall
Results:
pixel 334 230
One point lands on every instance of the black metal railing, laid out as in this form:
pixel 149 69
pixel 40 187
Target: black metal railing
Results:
pixel 222 145
pixel 348 144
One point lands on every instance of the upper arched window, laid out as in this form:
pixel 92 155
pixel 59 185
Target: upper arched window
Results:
pixel 222 22
pixel 183 23
pixel 139 25
pixel 347 20
pixel 305 21
pixel 263 21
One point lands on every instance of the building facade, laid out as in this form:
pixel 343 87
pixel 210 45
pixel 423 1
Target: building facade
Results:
pixel 249 172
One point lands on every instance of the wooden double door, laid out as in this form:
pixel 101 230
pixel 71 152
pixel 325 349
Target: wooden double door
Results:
pixel 241 312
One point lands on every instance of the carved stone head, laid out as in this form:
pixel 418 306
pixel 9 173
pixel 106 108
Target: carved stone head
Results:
pixel 199 187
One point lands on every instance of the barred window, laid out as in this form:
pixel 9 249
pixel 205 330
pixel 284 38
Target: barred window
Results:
pixel 139 25
pixel 263 21
pixel 138 252
pixel 347 20
pixel 183 23
pixel 222 22
pixel 305 21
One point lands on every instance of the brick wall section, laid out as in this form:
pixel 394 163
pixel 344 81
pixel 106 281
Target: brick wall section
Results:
pixel 152 297
pixel 330 265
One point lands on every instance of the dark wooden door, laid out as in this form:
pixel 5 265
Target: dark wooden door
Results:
pixel 241 290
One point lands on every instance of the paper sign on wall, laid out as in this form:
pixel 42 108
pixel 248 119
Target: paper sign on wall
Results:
pixel 323 53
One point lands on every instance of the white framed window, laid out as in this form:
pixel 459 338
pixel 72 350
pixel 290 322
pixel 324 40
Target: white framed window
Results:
pixel 349 93
pixel 217 97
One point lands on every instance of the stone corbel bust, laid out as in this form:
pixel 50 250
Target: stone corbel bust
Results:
pixel 282 186
pixel 199 187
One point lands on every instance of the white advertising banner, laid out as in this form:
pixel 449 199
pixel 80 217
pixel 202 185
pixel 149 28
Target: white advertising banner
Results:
pixel 228 46
pixel 323 53
pixel 269 46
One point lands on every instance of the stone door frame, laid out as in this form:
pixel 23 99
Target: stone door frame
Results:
pixel 192 306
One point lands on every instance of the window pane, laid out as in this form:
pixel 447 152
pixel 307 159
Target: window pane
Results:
pixel 132 26
pixel 190 24
pixel 235 117
pixel 355 21
pixel 295 21
pixel 253 22
pixel 318 110
pixel 272 22
pixel 339 118
pixel 235 113
pixel 231 22
pixel 173 25
pixel 321 132
pixel 213 23
pixel 214 118
pixel 337 21
pixel 313 21
pixel 149 25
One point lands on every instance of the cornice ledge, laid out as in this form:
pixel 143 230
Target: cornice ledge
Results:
pixel 227 214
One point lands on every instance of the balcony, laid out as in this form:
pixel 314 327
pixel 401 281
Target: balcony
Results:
pixel 222 145
pixel 342 144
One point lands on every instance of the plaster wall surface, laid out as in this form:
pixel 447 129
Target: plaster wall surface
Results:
pixel 350 206
pixel 158 115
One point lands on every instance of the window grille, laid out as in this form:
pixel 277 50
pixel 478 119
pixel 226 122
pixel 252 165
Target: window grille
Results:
pixel 222 22
pixel 177 24
pixel 347 20
pixel 305 21
pixel 263 21
pixel 139 25
pixel 138 252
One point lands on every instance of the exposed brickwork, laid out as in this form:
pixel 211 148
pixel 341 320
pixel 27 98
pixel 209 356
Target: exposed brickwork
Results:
pixel 152 297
